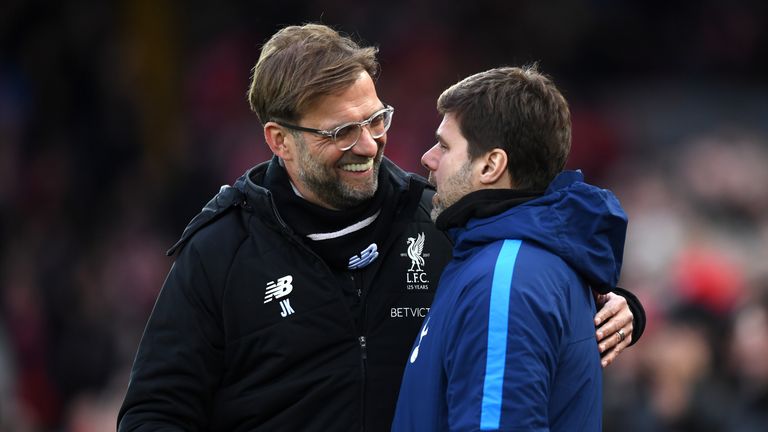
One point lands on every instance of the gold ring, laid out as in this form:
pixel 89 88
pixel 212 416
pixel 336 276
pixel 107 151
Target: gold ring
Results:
pixel 621 335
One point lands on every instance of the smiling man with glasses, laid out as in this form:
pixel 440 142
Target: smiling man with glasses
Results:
pixel 297 291
pixel 345 136
pixel 337 167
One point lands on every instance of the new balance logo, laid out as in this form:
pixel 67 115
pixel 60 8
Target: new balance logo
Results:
pixel 279 288
pixel 366 257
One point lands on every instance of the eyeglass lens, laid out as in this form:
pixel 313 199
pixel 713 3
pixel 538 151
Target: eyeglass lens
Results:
pixel 347 136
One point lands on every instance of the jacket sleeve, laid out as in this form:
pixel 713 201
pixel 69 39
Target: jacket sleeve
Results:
pixel 483 361
pixel 638 313
pixel 179 360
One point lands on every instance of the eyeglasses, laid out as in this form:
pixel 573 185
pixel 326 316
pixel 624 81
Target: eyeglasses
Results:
pixel 345 136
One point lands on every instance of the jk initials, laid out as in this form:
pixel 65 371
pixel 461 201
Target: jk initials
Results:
pixel 285 305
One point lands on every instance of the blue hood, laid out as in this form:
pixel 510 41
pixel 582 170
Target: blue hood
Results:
pixel 582 224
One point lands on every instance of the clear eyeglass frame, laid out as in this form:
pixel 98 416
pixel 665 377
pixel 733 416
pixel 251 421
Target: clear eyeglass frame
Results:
pixel 346 135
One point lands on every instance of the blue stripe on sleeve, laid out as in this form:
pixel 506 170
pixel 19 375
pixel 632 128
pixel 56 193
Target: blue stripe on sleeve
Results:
pixel 498 315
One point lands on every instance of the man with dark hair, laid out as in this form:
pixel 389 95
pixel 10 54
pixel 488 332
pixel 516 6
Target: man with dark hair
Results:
pixel 296 292
pixel 508 343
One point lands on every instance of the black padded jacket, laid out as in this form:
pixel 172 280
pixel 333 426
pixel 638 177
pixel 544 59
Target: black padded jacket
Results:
pixel 251 331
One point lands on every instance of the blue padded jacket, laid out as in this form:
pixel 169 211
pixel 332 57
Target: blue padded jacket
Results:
pixel 509 341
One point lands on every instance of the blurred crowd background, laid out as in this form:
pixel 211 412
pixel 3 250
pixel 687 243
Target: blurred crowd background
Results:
pixel 119 120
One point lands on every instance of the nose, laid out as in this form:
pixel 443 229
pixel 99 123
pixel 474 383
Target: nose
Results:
pixel 366 145
pixel 429 158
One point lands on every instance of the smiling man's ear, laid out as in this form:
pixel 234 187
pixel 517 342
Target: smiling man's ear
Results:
pixel 277 139
pixel 493 171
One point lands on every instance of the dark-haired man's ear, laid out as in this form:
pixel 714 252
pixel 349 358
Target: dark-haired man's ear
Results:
pixel 276 138
pixel 494 169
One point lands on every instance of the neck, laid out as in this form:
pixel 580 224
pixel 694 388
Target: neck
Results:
pixel 481 204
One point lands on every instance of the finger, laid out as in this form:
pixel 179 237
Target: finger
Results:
pixel 613 353
pixel 619 321
pixel 609 309
pixel 610 356
pixel 607 341
pixel 614 342
pixel 607 344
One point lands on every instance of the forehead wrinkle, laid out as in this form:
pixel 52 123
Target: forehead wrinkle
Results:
pixel 336 125
pixel 353 104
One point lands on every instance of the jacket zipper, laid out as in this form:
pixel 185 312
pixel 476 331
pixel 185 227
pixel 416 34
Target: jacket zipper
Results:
pixel 363 357
pixel 363 349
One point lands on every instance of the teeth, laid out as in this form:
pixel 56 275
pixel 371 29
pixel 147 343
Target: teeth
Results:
pixel 358 167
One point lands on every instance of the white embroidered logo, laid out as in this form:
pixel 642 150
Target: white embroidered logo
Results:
pixel 279 288
pixel 415 276
pixel 285 305
pixel 424 331
pixel 415 248
pixel 366 257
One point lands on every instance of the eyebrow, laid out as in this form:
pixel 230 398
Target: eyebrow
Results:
pixel 357 121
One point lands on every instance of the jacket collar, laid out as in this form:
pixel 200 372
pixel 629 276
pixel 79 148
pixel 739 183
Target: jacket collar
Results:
pixel 249 193
pixel 482 204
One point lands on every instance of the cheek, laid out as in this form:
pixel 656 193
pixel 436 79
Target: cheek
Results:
pixel 447 168
pixel 328 157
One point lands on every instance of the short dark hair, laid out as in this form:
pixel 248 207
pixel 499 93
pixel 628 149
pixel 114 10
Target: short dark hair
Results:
pixel 298 64
pixel 518 110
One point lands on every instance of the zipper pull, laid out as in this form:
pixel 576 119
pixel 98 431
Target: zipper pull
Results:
pixel 363 344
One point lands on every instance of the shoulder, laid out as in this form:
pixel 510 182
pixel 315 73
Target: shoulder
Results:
pixel 214 247
pixel 412 182
pixel 519 268
pixel 222 221
pixel 222 236
pixel 535 263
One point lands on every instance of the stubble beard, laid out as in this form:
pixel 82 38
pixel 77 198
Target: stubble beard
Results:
pixel 329 188
pixel 453 189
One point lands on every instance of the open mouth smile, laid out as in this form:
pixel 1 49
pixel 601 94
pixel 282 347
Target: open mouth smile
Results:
pixel 358 167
